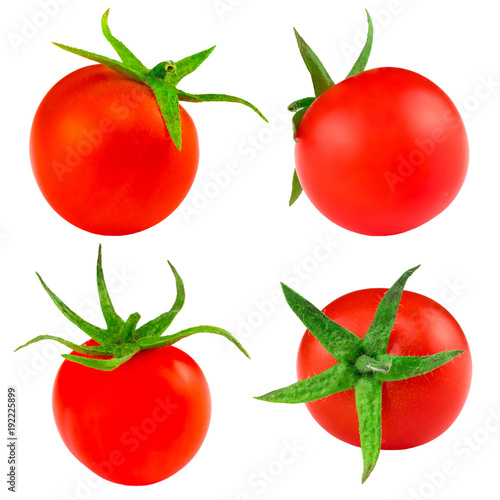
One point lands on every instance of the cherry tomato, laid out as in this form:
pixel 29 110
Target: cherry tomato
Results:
pixel 415 410
pixel 137 424
pixel 102 156
pixel 382 152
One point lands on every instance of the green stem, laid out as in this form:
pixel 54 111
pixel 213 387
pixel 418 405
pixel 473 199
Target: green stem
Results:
pixel 122 340
pixel 128 329
pixel 366 364
pixel 161 70
pixel 163 78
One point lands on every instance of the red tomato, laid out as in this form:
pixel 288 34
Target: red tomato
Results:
pixel 137 424
pixel 382 152
pixel 102 155
pixel 416 410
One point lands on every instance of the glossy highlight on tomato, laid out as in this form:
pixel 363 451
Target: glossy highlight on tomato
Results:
pixel 414 411
pixel 102 156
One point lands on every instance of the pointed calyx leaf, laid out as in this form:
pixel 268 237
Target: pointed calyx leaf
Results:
pixel 362 364
pixel 403 367
pixel 106 61
pixel 338 378
pixel 81 349
pixel 154 342
pixel 184 96
pixel 342 344
pixel 168 102
pixel 157 326
pixel 320 78
pixel 186 66
pixel 321 83
pixel 362 60
pixel 127 57
pixel 122 339
pixel 121 356
pixel 163 78
pixel 94 332
pixel 377 337
pixel 296 119
pixel 296 188
pixel 368 396
pixel 113 321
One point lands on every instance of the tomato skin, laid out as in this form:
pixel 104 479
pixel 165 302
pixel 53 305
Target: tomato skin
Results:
pixel 137 424
pixel 382 152
pixel 414 411
pixel 102 156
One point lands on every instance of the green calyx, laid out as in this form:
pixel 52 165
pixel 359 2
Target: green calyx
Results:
pixel 121 340
pixel 362 365
pixel 162 79
pixel 321 82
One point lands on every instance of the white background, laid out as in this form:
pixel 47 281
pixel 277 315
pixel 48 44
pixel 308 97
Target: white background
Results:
pixel 244 240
